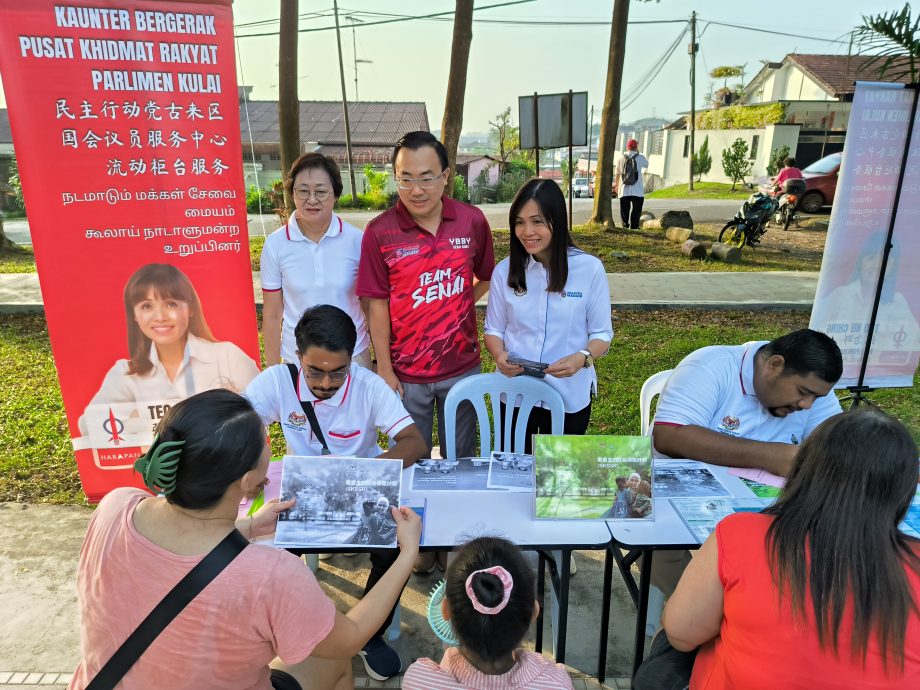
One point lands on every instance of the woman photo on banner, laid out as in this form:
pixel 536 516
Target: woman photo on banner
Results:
pixel 172 355
pixel 550 306
pixel 312 260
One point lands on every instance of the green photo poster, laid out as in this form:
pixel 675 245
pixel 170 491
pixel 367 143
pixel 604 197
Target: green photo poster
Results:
pixel 593 477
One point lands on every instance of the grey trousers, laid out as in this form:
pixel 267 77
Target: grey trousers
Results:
pixel 423 400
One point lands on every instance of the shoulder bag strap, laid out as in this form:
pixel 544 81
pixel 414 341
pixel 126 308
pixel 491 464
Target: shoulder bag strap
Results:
pixel 310 412
pixel 171 606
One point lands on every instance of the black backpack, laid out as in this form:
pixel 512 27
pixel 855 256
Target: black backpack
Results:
pixel 630 170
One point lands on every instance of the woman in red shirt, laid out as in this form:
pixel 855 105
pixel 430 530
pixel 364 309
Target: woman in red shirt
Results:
pixel 820 590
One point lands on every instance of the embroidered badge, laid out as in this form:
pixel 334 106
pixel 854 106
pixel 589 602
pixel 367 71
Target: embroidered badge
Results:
pixel 297 419
pixel 730 423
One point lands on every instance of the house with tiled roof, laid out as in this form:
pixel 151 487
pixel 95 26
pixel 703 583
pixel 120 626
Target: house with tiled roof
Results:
pixel 804 101
pixel 375 128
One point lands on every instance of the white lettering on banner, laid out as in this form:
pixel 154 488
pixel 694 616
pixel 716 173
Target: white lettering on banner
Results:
pixel 135 80
pixel 195 53
pixel 193 82
pixel 174 23
pixel 92 18
pixel 107 49
pixel 45 47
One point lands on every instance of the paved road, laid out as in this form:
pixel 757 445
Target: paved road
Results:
pixel 702 210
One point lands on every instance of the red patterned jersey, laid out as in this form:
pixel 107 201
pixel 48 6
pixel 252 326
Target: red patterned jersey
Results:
pixel 428 280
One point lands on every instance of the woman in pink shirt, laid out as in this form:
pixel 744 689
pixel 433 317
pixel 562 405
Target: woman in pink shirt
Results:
pixel 263 622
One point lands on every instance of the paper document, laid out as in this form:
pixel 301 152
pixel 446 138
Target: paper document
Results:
pixel 761 476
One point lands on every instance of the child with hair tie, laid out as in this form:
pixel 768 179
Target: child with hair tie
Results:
pixel 484 609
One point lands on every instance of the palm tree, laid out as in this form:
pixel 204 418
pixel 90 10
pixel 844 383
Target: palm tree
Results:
pixel 288 104
pixel 891 43
pixel 610 117
pixel 456 85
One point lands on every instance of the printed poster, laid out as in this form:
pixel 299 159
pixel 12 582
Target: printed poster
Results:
pixel 340 501
pixel 593 477
pixel 454 474
pixel 863 205
pixel 125 118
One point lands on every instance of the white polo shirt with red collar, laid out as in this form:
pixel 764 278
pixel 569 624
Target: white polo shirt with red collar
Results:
pixel 309 273
pixel 713 387
pixel 349 420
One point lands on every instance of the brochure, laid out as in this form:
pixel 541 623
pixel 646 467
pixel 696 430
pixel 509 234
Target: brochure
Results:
pixel 271 489
pixel 911 524
pixel 760 476
pixel 420 506
pixel 464 474
pixel 761 490
pixel 511 471
pixel 680 478
pixel 531 368
pixel 593 477
pixel 340 501
pixel 701 515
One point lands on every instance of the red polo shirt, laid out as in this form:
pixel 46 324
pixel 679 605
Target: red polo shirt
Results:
pixel 428 280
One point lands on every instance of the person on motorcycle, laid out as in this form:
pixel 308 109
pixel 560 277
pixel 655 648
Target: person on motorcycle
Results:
pixel 789 172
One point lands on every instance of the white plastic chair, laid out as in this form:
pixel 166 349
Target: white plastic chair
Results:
pixel 523 392
pixel 652 387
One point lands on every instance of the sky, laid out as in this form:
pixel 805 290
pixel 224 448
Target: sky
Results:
pixel 410 60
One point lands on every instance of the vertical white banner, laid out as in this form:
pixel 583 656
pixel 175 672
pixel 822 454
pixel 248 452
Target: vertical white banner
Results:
pixel 863 207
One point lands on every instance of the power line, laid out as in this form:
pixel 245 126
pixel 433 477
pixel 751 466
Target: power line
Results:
pixel 775 33
pixel 392 21
pixel 632 98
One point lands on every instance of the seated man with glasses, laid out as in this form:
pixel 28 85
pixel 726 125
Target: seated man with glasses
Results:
pixel 352 404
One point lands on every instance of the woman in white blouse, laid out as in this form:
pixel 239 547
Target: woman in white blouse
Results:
pixel 550 303
pixel 312 260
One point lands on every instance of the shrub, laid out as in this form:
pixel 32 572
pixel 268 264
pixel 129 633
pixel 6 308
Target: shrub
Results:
pixel 377 182
pixel 702 161
pixel 742 116
pixel 256 196
pixel 735 162
pixel 461 191
pixel 776 160
pixel 372 201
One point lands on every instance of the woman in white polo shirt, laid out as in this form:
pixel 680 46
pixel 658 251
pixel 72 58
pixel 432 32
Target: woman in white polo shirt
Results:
pixel 549 302
pixel 311 260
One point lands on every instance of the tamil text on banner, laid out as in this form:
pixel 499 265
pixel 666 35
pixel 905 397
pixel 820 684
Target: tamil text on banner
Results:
pixel 125 121
pixel 863 207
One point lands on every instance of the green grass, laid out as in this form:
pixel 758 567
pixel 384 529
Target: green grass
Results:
pixel 701 190
pixel 36 460
pixel 19 260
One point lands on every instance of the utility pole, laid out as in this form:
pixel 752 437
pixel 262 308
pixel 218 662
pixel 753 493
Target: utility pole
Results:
pixel 351 167
pixel 590 132
pixel 693 48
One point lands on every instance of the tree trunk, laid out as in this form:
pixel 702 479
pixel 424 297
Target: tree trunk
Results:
pixel 456 85
pixel 610 117
pixel 288 103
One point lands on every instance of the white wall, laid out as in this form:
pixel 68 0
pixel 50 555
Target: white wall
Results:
pixel 787 83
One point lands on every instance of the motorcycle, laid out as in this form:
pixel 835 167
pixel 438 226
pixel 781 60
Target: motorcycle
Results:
pixel 750 222
pixel 793 190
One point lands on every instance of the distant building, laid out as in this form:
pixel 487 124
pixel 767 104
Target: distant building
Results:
pixel 815 94
pixel 6 153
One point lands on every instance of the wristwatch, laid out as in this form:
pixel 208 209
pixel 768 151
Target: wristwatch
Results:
pixel 589 358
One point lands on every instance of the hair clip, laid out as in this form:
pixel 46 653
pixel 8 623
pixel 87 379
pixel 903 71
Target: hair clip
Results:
pixel 441 626
pixel 507 583
pixel 159 465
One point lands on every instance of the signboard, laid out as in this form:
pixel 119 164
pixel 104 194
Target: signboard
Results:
pixel 553 120
pixel 863 206
pixel 125 121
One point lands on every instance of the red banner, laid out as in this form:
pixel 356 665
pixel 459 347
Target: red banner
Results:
pixel 125 121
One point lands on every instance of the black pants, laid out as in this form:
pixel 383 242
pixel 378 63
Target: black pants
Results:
pixel 380 563
pixel 665 668
pixel 630 210
pixel 541 422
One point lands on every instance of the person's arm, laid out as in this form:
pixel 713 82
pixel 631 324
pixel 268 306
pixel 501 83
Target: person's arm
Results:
pixel 263 521
pixel 480 287
pixel 378 325
pixel 698 443
pixel 351 631
pixel 272 310
pixel 409 446
pixel 693 614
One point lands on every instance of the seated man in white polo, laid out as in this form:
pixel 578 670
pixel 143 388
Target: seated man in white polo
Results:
pixel 329 406
pixel 749 405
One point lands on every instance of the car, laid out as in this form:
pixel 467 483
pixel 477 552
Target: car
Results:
pixel 582 187
pixel 820 181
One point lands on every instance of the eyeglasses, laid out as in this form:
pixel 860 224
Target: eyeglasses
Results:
pixel 424 182
pixel 302 193
pixel 315 375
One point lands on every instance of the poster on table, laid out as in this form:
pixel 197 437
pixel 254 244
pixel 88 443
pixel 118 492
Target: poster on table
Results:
pixel 863 204
pixel 593 477
pixel 125 122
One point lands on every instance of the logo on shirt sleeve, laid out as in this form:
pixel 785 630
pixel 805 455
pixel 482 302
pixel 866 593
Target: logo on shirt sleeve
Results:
pixel 729 424
pixel 437 286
